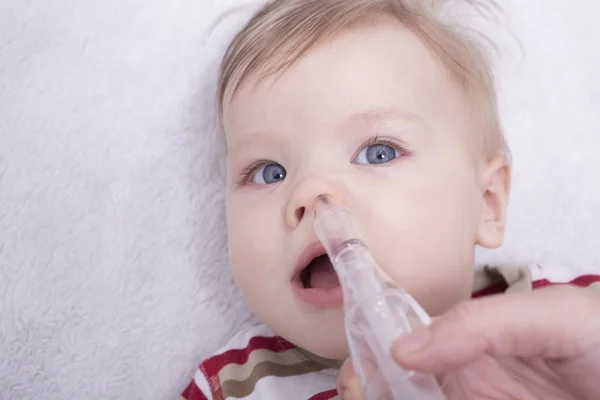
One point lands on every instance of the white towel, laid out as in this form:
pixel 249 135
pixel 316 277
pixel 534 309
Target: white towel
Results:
pixel 113 263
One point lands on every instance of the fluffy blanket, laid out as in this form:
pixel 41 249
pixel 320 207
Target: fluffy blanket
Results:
pixel 113 262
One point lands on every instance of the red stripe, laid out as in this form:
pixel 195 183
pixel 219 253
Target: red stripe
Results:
pixel 276 344
pixel 325 395
pixel 193 392
pixel 500 287
pixel 496 288
pixel 584 281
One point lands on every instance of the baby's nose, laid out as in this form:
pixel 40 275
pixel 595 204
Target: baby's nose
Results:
pixel 302 200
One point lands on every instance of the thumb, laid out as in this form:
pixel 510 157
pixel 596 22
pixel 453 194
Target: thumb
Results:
pixel 555 322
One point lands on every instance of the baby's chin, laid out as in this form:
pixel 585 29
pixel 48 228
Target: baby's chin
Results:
pixel 327 342
pixel 336 349
pixel 317 331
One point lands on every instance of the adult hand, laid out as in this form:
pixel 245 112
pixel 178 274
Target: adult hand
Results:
pixel 543 344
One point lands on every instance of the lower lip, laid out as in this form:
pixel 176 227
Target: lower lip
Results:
pixel 320 297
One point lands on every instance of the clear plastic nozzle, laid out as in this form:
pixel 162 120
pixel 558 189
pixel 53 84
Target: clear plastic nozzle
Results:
pixel 339 236
pixel 375 313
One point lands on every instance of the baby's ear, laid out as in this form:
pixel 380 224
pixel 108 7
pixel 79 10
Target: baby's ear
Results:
pixel 495 189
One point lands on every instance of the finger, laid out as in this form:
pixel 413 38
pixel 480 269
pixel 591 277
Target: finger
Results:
pixel 349 387
pixel 554 323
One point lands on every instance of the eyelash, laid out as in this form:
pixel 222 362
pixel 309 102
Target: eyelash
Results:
pixel 249 171
pixel 387 141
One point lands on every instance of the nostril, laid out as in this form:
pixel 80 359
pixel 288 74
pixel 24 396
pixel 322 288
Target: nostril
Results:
pixel 300 213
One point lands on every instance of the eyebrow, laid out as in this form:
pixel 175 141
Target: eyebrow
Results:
pixel 381 115
pixel 368 117
pixel 251 138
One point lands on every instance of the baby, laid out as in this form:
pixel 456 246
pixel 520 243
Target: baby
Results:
pixel 388 110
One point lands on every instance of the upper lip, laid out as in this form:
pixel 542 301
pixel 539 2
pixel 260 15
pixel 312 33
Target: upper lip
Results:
pixel 311 251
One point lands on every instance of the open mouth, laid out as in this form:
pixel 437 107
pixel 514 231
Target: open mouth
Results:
pixel 319 274
pixel 316 282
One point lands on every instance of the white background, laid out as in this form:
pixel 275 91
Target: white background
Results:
pixel 113 265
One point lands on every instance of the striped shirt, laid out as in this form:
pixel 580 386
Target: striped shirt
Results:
pixel 258 364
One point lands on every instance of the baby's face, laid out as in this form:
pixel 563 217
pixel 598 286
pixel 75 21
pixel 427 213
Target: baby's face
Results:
pixel 372 119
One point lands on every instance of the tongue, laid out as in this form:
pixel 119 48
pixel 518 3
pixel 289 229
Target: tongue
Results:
pixel 322 275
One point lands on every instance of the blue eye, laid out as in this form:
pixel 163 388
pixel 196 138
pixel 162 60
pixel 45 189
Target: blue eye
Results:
pixel 269 173
pixel 376 154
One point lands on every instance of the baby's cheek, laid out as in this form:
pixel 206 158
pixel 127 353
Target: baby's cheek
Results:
pixel 247 257
pixel 253 258
pixel 436 279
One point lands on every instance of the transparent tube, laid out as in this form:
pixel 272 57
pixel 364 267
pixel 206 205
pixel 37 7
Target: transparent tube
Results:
pixel 376 312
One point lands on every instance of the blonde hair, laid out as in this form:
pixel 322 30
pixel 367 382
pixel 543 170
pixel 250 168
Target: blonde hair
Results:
pixel 283 30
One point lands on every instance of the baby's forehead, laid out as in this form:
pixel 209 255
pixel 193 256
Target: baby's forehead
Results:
pixel 355 43
pixel 364 78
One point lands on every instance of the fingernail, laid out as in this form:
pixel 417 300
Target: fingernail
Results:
pixel 408 345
